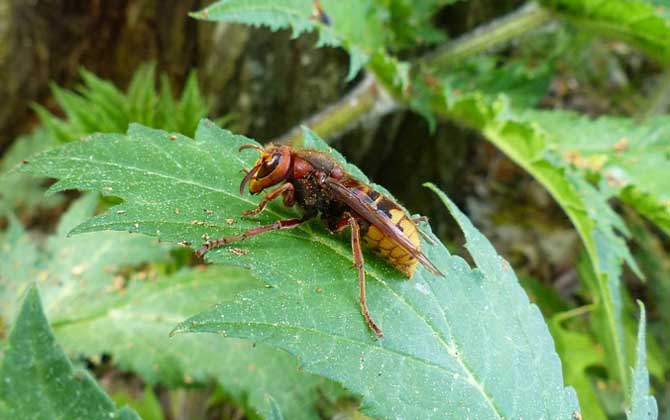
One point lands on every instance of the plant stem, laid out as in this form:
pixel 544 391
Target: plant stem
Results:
pixel 368 99
pixel 498 31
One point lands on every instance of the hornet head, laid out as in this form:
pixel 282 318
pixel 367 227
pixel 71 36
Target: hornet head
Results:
pixel 271 168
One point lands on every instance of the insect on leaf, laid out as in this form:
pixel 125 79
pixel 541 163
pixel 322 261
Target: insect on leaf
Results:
pixel 467 345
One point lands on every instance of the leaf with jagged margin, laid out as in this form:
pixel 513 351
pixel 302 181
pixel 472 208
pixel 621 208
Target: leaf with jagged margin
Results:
pixel 39 381
pixel 523 78
pixel 355 25
pixel 526 143
pixel 578 353
pixel 639 23
pixel 138 318
pixel 411 22
pixel 655 263
pixel 20 193
pixel 99 106
pixel 138 321
pixel 643 406
pixel 260 315
pixel 75 272
pixel 435 361
pixel 634 157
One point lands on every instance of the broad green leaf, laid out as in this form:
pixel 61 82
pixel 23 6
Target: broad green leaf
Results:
pixel 633 157
pixel 436 313
pixel 634 21
pixel 526 143
pixel 137 325
pixel 19 265
pixel 356 25
pixel 434 362
pixel 84 297
pixel 39 382
pixel 18 192
pixel 73 272
pixel 643 406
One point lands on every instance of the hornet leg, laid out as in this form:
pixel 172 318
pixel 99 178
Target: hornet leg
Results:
pixel 358 263
pixel 278 225
pixel 286 189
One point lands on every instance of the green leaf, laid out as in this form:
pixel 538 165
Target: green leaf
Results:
pixel 654 262
pixel 311 309
pixel 38 380
pixel 643 406
pixel 74 272
pixel 98 106
pixel 578 353
pixel 524 84
pixel 137 325
pixel 85 297
pixel 18 192
pixel 526 143
pixel 637 22
pixel 633 157
pixel 411 22
pixel 147 407
pixel 141 98
pixel 190 107
pixel 357 26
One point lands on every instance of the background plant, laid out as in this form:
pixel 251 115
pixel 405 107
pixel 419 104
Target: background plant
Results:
pixel 606 174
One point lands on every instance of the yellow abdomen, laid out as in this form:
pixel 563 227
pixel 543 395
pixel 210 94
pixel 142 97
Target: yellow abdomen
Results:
pixel 386 247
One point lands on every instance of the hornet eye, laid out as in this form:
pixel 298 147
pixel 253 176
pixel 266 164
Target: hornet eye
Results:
pixel 269 166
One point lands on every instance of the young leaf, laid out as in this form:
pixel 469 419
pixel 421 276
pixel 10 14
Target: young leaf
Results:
pixel 38 380
pixel 85 299
pixel 469 344
pixel 643 406
pixel 633 21
pixel 98 106
pixel 141 98
pixel 357 26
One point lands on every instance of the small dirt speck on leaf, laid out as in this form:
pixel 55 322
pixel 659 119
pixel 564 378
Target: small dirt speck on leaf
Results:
pixel 239 252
